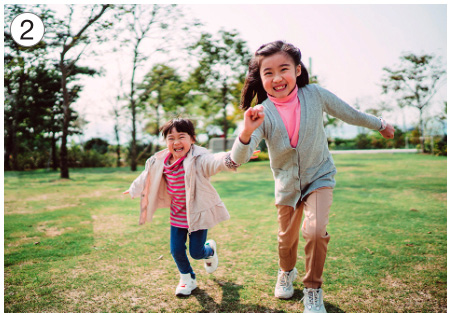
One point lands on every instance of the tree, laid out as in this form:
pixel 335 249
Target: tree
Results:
pixel 116 113
pixel 414 82
pixel 162 90
pixel 222 65
pixel 68 41
pixel 164 25
pixel 97 144
pixel 17 64
pixel 33 95
pixel 442 118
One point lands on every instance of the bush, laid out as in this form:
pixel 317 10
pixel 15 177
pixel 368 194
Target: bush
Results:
pixel 32 160
pixel 342 144
pixel 362 141
pixel 440 147
pixel 262 156
pixel 77 157
pixel 97 144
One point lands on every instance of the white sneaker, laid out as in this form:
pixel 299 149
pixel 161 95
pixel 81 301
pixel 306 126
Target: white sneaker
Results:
pixel 186 285
pixel 313 301
pixel 284 288
pixel 212 262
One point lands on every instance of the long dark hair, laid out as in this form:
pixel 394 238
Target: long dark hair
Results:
pixel 253 84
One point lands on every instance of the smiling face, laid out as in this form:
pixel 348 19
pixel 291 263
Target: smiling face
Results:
pixel 178 143
pixel 279 74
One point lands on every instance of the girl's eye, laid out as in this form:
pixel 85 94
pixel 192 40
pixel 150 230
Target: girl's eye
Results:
pixel 267 73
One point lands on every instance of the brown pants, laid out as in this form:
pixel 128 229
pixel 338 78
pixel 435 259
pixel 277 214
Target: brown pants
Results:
pixel 316 207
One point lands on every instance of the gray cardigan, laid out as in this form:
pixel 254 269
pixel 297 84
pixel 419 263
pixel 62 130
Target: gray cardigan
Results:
pixel 301 170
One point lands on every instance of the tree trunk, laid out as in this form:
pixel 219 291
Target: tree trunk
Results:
pixel 421 132
pixel 65 70
pixel 157 119
pixel 54 155
pixel 133 137
pixel 116 131
pixel 225 122
pixel 133 111
pixel 65 130
pixel 14 150
pixel 15 121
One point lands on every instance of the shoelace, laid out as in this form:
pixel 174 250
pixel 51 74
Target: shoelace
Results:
pixel 284 279
pixel 313 299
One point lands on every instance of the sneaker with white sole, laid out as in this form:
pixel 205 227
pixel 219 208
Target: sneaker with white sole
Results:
pixel 313 301
pixel 212 262
pixel 186 285
pixel 284 288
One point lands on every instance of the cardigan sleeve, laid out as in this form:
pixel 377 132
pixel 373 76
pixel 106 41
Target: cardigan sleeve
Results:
pixel 211 164
pixel 241 153
pixel 336 107
pixel 137 186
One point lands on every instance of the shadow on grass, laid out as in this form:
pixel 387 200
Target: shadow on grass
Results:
pixel 231 301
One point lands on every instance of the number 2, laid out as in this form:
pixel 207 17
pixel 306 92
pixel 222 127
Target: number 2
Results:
pixel 29 30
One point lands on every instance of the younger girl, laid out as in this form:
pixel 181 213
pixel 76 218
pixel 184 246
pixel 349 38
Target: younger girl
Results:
pixel 290 120
pixel 178 177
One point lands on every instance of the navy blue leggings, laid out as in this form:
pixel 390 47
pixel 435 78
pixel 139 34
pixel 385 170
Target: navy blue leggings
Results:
pixel 197 248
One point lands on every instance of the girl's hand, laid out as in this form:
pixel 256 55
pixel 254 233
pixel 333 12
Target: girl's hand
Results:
pixel 253 118
pixel 126 192
pixel 388 132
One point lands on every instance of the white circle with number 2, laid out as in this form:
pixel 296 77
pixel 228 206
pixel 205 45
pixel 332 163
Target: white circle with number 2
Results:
pixel 27 29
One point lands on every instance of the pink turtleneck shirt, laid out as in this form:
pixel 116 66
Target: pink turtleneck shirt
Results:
pixel 289 109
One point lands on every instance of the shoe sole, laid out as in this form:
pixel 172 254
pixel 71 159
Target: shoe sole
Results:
pixel 182 294
pixel 284 298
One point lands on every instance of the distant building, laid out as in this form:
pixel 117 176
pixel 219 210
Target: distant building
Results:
pixel 216 144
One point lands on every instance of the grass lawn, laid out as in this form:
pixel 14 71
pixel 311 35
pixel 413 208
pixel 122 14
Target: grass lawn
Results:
pixel 76 246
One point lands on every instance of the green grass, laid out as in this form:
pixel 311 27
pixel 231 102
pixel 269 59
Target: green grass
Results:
pixel 76 246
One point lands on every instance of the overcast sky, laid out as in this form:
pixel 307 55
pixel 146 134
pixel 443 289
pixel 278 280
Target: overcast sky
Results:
pixel 348 46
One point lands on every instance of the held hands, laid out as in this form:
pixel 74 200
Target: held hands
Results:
pixel 253 118
pixel 388 132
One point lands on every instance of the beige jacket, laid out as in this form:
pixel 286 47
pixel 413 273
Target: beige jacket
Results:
pixel 203 204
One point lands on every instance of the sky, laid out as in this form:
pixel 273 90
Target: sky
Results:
pixel 346 46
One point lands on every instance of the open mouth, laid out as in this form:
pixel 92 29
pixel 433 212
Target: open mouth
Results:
pixel 279 88
pixel 178 150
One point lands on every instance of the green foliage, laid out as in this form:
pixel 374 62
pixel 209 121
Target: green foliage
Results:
pixel 362 141
pixel 222 65
pixel 435 145
pixel 261 156
pixel 31 160
pixel 372 140
pixel 77 157
pixel 440 147
pixel 97 144
pixel 33 94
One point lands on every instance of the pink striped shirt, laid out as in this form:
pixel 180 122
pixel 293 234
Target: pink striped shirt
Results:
pixel 174 175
